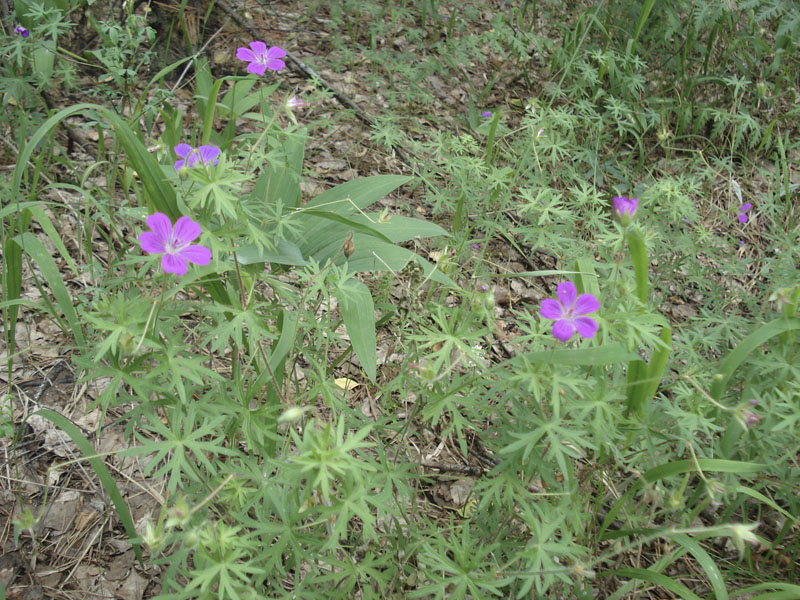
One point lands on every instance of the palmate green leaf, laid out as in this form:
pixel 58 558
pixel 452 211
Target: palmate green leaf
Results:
pixel 107 481
pixel 358 312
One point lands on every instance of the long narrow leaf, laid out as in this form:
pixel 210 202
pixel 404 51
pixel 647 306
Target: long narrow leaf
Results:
pixel 40 255
pixel 358 312
pixel 658 579
pixel 739 354
pixel 100 469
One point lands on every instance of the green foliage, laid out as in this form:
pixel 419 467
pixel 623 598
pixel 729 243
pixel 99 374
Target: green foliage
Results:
pixel 333 413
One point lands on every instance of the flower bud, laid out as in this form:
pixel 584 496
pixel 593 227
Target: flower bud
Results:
pixel 742 533
pixel 348 247
pixel 291 415
pixel 749 418
pixel 178 515
pixel 152 538
pixel 625 209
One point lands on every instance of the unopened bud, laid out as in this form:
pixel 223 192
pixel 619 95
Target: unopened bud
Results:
pixel 178 515
pixel 291 415
pixel 348 247
pixel 625 209
pixel 748 418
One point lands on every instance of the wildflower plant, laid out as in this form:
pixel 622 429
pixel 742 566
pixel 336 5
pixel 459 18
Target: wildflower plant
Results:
pixel 329 414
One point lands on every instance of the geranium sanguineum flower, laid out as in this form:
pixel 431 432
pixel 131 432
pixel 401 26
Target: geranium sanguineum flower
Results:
pixel 569 312
pixel 743 212
pixel 625 208
pixel 261 58
pixel 191 156
pixel 174 243
pixel 22 31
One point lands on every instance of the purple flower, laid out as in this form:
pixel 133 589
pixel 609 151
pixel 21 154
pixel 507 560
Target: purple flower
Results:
pixel 174 243
pixel 625 208
pixel 295 102
pixel 486 114
pixel 261 58
pixel 22 31
pixel 743 212
pixel 568 311
pixel 191 156
pixel 749 419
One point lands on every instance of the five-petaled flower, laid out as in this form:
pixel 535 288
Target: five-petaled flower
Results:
pixel 743 212
pixel 174 243
pixel 261 58
pixel 569 311
pixel 22 31
pixel 625 209
pixel 208 155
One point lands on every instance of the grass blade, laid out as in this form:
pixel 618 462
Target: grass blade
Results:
pixel 100 469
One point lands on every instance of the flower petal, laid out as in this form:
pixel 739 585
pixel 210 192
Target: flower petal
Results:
pixel 179 164
pixel 563 330
pixel 198 255
pixel 276 52
pixel 161 226
pixel 551 309
pixel 259 48
pixel 193 158
pixel 275 64
pixel 183 150
pixel 742 218
pixel 257 68
pixel 151 242
pixel 566 293
pixel 586 303
pixel 172 263
pixel 745 207
pixel 209 153
pixel 245 54
pixel 586 326
pixel 186 231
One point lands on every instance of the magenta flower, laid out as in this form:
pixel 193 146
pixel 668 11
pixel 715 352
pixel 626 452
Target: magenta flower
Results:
pixel 260 58
pixel 22 31
pixel 191 156
pixel 569 311
pixel 625 208
pixel 743 212
pixel 486 114
pixel 174 244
